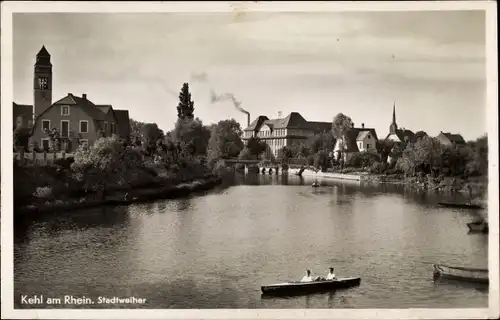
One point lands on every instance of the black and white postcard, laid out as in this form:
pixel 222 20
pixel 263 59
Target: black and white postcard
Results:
pixel 249 160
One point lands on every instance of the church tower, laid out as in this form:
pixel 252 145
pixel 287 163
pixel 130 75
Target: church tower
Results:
pixel 42 82
pixel 394 127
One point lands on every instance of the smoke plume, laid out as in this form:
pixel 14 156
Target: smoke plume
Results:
pixel 214 98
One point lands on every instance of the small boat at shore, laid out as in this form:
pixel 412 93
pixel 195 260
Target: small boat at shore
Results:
pixel 461 273
pixel 478 226
pixel 460 205
pixel 297 287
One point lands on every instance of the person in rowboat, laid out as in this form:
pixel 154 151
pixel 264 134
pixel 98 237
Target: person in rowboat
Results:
pixel 331 275
pixel 307 277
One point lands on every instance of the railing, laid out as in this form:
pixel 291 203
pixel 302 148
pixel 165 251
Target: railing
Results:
pixel 42 158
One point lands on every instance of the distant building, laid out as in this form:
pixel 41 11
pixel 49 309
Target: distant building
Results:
pixel 78 119
pixel 284 132
pixel 399 134
pixel 449 139
pixel 23 115
pixel 354 141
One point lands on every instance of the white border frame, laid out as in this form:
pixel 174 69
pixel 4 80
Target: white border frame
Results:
pixel 61 131
pixel 7 8
pixel 43 130
pixel 80 126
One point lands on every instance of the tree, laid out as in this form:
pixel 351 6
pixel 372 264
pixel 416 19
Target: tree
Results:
pixel 225 141
pixel 320 141
pixel 192 134
pixel 256 146
pixel 321 160
pixel 246 154
pixel 21 138
pixel 185 109
pixel 105 161
pixel 478 164
pixel 151 134
pixel 285 154
pixel 363 159
pixel 420 134
pixel 55 139
pixel 384 148
pixel 340 126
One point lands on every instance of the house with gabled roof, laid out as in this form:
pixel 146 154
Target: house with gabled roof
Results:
pixel 284 132
pixel 354 141
pixel 449 139
pixel 77 119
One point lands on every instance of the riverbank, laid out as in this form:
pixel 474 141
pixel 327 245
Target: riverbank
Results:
pixel 478 185
pixel 123 197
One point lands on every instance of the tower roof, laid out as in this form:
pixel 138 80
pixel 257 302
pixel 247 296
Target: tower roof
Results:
pixel 394 113
pixel 43 52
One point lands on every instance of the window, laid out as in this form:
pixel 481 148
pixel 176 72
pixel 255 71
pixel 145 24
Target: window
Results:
pixel 45 125
pixel 105 127
pixel 369 137
pixel 64 110
pixel 367 146
pixel 45 144
pixel 113 128
pixel 84 142
pixel 64 128
pixel 84 126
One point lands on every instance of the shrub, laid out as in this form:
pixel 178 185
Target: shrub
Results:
pixel 378 167
pixel 43 192
pixel 65 163
pixel 362 159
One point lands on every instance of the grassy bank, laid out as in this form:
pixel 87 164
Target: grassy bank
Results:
pixel 122 197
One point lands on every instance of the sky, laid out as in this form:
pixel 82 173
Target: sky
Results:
pixel 431 64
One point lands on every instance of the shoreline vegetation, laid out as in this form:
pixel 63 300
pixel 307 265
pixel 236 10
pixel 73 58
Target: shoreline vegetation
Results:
pixel 478 184
pixel 124 197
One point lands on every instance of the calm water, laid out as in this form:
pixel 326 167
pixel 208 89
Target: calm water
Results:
pixel 215 250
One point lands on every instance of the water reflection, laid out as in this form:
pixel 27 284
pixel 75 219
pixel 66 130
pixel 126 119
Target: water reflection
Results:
pixel 216 249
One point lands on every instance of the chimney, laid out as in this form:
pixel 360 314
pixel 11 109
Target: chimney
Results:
pixel 84 96
pixel 363 125
pixel 70 94
pixel 248 119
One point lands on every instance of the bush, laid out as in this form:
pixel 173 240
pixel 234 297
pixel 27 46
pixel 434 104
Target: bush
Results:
pixel 378 167
pixel 43 192
pixel 362 159
pixel 65 163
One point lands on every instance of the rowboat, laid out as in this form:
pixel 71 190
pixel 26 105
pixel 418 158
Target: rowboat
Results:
pixel 460 205
pixel 461 273
pixel 297 287
pixel 478 226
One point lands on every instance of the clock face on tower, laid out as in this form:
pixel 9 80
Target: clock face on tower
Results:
pixel 43 83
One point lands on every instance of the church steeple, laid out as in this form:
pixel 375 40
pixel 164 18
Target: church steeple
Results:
pixel 394 127
pixel 42 82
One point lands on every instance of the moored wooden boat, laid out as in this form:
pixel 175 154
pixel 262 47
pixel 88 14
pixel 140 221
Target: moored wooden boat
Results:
pixel 478 226
pixel 297 287
pixel 460 205
pixel 461 273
